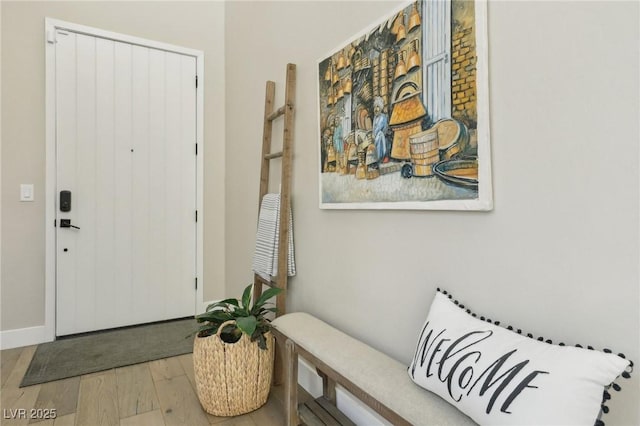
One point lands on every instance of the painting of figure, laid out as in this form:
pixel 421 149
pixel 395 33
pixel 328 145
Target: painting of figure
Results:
pixel 403 112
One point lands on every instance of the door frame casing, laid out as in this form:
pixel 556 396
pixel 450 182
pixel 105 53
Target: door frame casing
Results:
pixel 51 25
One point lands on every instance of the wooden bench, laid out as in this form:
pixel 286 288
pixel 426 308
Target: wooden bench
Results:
pixel 379 381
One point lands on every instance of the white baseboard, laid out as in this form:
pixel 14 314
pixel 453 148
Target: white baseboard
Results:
pixel 23 337
pixel 352 407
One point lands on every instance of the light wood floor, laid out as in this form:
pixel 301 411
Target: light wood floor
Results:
pixel 154 393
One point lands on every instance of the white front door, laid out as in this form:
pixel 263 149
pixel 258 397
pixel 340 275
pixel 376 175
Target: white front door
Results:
pixel 126 154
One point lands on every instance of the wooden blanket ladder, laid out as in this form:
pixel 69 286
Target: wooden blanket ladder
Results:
pixel 271 114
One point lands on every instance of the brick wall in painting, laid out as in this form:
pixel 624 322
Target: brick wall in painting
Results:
pixel 463 64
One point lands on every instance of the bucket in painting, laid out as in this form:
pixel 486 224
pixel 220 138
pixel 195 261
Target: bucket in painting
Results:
pixel 453 137
pixel 424 150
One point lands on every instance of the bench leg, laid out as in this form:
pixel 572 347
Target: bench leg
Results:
pixel 279 361
pixel 291 385
pixel 328 387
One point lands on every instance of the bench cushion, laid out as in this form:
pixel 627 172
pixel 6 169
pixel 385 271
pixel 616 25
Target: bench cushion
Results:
pixel 382 377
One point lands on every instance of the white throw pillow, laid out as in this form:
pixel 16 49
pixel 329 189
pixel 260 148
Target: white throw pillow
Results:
pixel 499 377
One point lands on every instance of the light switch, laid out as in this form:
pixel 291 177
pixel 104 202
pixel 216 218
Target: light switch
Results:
pixel 26 192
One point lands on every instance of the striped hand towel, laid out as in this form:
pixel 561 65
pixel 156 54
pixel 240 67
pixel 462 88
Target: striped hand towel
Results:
pixel 265 258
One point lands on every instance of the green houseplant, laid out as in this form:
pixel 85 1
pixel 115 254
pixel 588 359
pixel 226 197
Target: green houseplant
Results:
pixel 233 354
pixel 249 319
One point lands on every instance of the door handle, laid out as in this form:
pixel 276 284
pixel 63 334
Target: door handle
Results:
pixel 66 223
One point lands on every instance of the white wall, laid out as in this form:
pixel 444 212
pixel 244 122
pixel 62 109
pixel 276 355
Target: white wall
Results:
pixel 559 254
pixel 196 25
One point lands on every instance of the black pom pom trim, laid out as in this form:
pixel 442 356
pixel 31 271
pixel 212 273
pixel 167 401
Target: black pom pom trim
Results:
pixel 599 423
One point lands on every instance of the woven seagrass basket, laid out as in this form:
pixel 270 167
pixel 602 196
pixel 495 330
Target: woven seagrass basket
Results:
pixel 232 378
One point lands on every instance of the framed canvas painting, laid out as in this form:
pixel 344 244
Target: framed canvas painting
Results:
pixel 403 112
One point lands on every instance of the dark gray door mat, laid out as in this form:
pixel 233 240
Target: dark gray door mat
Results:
pixel 104 350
